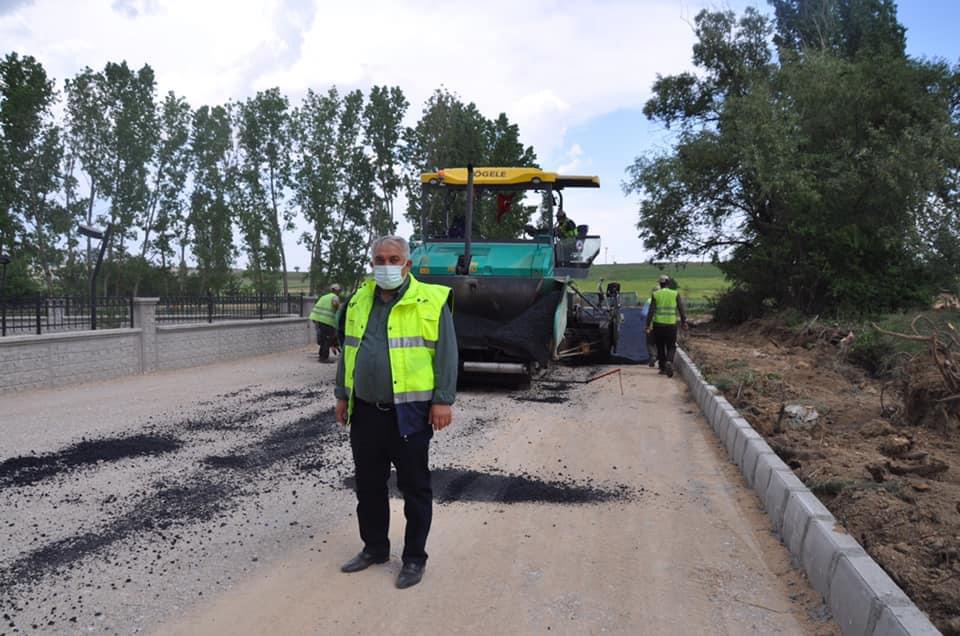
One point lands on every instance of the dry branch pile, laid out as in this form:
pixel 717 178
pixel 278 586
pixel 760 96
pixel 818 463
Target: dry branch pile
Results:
pixel 930 383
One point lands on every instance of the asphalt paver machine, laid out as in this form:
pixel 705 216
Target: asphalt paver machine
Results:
pixel 516 306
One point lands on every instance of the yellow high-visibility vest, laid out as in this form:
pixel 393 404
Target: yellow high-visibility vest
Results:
pixel 323 312
pixel 666 306
pixel 413 328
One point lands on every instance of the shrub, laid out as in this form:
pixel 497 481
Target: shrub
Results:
pixel 737 305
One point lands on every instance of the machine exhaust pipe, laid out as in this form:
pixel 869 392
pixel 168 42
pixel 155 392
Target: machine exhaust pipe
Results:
pixel 463 266
pixel 503 368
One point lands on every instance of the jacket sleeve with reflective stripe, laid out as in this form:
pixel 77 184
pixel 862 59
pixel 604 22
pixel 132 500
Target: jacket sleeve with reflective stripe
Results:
pixel 446 363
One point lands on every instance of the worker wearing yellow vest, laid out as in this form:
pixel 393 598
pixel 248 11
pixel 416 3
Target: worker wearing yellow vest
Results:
pixel 665 306
pixel 396 383
pixel 324 314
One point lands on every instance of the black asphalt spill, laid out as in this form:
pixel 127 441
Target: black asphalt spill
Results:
pixel 263 448
pixel 174 516
pixel 543 399
pixel 464 485
pixel 165 507
pixel 29 469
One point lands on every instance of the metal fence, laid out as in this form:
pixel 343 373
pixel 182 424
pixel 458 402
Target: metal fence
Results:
pixel 26 315
pixel 213 308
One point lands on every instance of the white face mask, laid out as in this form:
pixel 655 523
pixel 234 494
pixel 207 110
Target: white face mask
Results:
pixel 388 276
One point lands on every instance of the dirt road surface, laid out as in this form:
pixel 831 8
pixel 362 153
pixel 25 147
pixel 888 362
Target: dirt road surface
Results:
pixel 217 500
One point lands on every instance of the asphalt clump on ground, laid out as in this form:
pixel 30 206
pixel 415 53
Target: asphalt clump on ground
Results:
pixel 207 489
pixel 67 539
pixel 29 469
pixel 451 484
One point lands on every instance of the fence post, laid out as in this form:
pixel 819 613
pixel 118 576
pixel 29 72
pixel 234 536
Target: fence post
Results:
pixel 39 300
pixel 132 325
pixel 300 313
pixel 209 306
pixel 3 315
pixel 260 304
pixel 145 310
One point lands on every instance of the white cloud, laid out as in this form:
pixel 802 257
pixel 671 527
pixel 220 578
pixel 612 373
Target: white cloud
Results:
pixel 573 162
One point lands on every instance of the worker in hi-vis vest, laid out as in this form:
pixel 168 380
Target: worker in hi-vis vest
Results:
pixel 396 384
pixel 324 314
pixel 665 307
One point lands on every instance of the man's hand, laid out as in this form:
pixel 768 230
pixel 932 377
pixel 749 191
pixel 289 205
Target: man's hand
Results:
pixel 341 411
pixel 685 326
pixel 440 416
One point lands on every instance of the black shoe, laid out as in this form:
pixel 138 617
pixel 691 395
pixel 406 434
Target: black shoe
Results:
pixel 669 370
pixel 362 561
pixel 652 363
pixel 410 574
pixel 662 371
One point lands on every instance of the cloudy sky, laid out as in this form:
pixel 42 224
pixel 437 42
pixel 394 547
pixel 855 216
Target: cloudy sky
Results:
pixel 574 74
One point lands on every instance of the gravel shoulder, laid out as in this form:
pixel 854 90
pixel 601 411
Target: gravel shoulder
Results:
pixel 562 507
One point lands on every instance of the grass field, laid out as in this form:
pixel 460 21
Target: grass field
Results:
pixel 698 282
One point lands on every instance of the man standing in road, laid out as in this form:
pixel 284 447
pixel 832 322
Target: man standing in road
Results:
pixel 662 323
pixel 324 314
pixel 396 382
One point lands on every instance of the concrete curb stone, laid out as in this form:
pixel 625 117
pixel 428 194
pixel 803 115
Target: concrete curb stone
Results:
pixel 753 451
pixel 861 596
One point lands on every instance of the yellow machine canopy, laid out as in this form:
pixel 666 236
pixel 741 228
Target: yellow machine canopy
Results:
pixel 506 179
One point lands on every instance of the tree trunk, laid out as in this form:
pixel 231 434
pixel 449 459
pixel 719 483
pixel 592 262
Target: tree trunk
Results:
pixel 315 256
pixel 147 227
pixel 278 232
pixel 93 193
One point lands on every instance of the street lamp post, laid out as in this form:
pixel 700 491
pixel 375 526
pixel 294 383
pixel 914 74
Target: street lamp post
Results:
pixel 104 236
pixel 4 261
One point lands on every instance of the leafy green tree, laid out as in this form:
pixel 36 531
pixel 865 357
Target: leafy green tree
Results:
pixel 88 143
pixel 30 156
pixel 349 237
pixel 453 134
pixel 265 142
pixel 210 214
pixel 809 175
pixel 130 99
pixel 316 176
pixel 382 120
pixel 170 167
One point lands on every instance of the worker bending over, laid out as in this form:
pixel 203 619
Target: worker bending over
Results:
pixel 324 314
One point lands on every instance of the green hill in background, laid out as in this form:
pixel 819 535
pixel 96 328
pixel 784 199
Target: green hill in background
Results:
pixel 698 282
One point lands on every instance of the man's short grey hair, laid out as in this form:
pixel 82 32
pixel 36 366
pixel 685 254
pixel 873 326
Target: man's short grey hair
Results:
pixel 395 240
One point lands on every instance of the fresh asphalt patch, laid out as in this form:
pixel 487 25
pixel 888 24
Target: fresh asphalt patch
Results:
pixel 542 399
pixel 29 469
pixel 464 485
pixel 167 506
pixel 140 528
pixel 197 491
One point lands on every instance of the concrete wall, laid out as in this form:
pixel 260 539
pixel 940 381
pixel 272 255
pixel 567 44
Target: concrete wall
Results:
pixel 181 346
pixel 52 360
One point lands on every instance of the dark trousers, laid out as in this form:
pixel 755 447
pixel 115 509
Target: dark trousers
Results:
pixel 651 347
pixel 376 443
pixel 326 336
pixel 666 339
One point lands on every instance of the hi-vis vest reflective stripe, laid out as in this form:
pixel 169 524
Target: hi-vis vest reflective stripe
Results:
pixel 666 300
pixel 323 311
pixel 413 328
